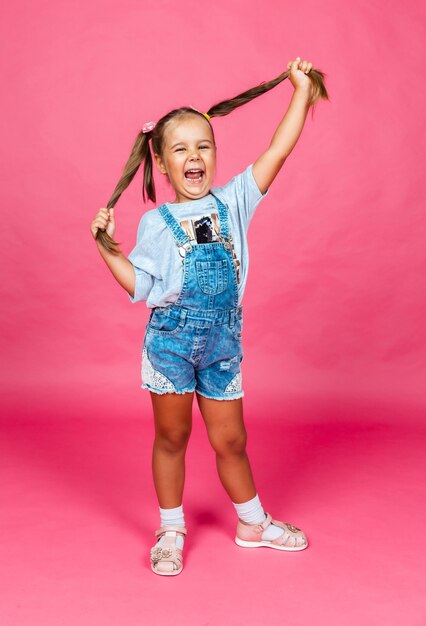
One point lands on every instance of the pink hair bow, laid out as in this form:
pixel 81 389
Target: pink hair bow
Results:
pixel 148 126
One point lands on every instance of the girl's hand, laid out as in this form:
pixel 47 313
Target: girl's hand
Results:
pixel 298 73
pixel 105 221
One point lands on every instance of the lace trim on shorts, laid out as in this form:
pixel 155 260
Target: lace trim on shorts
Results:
pixel 153 377
pixel 235 384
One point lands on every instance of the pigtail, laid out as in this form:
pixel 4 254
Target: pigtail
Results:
pixel 140 152
pixel 227 106
pixel 148 187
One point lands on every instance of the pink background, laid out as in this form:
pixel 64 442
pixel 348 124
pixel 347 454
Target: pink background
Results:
pixel 334 322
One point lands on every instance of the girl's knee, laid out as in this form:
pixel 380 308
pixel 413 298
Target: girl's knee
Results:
pixel 173 440
pixel 232 444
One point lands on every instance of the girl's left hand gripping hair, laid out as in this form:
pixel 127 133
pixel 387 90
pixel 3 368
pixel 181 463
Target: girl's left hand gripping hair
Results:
pixel 105 221
pixel 299 71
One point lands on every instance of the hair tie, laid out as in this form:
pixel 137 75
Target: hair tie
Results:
pixel 206 115
pixel 148 126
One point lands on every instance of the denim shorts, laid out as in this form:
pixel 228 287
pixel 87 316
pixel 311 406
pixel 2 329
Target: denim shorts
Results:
pixel 187 349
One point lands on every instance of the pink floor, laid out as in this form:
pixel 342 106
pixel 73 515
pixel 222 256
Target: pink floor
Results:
pixel 79 512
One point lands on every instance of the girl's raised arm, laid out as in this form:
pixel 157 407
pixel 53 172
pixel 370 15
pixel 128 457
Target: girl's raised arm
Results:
pixel 288 132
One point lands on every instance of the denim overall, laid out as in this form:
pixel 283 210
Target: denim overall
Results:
pixel 196 342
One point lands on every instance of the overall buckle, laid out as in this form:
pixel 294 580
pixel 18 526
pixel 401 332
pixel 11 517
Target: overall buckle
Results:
pixel 185 248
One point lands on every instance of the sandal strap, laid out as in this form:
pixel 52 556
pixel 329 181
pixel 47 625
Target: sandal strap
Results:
pixel 263 525
pixel 267 521
pixel 164 529
pixel 290 533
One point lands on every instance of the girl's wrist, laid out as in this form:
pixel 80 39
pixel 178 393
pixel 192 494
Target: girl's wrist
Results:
pixel 302 95
pixel 304 90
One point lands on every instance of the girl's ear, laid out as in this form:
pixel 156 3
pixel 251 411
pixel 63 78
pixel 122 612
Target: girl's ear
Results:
pixel 160 164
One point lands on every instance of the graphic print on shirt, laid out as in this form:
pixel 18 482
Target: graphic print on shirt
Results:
pixel 206 229
pixel 202 228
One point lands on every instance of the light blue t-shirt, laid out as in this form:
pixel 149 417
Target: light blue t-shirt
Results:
pixel 156 259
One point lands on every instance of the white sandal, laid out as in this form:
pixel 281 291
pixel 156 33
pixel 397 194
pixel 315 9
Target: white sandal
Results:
pixel 167 559
pixel 250 536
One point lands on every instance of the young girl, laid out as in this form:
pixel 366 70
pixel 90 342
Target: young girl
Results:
pixel 190 265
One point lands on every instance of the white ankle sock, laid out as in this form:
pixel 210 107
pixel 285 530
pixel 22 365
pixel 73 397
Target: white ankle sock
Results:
pixel 172 517
pixel 252 512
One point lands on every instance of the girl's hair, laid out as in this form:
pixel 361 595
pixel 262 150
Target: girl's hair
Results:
pixel 141 151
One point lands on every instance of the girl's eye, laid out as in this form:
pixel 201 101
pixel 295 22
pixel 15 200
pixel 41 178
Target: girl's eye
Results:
pixel 201 148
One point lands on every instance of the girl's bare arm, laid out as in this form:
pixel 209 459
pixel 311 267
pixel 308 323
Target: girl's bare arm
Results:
pixel 121 268
pixel 267 166
pixel 119 265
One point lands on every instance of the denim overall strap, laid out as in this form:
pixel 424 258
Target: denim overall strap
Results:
pixel 178 233
pixel 223 218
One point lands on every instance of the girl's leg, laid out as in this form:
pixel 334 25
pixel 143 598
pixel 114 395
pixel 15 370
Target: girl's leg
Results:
pixel 228 437
pixel 173 425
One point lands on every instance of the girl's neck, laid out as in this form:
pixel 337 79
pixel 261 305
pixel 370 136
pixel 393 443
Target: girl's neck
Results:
pixel 188 201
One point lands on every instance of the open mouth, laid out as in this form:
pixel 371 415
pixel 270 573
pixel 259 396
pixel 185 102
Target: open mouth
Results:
pixel 195 176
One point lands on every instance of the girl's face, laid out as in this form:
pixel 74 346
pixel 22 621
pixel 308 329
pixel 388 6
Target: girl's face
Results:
pixel 188 144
